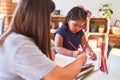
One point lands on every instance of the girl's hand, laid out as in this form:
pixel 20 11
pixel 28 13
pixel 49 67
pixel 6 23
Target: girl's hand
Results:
pixel 76 53
pixel 93 56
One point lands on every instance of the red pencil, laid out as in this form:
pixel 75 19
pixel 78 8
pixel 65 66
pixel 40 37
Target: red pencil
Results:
pixel 83 50
pixel 72 45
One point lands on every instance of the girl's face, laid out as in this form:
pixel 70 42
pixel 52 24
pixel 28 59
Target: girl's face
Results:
pixel 75 25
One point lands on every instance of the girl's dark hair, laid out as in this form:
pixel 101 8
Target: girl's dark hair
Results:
pixel 76 13
pixel 32 19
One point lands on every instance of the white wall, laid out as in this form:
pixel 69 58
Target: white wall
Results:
pixel 92 5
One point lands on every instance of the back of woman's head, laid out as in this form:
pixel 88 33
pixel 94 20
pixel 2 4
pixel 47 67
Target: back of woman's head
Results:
pixel 32 19
pixel 76 13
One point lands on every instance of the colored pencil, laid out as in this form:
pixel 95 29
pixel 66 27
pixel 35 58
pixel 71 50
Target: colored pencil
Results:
pixel 72 45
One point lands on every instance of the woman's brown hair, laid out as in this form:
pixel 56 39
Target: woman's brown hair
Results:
pixel 32 19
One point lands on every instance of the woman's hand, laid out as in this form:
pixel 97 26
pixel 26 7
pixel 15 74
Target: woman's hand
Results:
pixel 83 58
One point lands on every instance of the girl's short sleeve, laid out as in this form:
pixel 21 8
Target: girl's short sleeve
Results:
pixel 61 31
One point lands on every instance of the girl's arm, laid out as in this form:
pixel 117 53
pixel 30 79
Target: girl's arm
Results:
pixel 60 49
pixel 68 72
pixel 88 49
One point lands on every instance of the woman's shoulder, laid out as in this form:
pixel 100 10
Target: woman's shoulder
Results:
pixel 17 38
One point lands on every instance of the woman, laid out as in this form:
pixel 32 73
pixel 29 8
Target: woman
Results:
pixel 25 51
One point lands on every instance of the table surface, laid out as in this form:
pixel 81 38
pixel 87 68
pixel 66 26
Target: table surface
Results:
pixel 113 73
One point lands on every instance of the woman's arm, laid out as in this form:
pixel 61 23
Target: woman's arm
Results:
pixel 68 72
pixel 88 49
pixel 60 49
pixel 53 54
